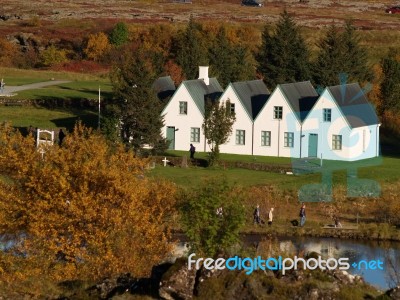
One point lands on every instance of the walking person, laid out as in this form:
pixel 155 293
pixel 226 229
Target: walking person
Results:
pixel 256 215
pixel 302 214
pixel 61 136
pixel 192 150
pixel 270 216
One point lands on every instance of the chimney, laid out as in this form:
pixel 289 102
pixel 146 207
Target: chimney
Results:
pixel 203 74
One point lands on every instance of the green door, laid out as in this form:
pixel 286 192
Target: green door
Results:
pixel 312 145
pixel 171 137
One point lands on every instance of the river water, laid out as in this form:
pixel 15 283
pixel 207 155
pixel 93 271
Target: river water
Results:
pixel 383 276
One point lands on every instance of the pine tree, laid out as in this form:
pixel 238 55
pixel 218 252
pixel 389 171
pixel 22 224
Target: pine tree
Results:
pixel 341 53
pixel 119 34
pixel 390 86
pixel 283 56
pixel 190 51
pixel 135 103
pixel 244 64
pixel 329 63
pixel 222 59
pixel 355 56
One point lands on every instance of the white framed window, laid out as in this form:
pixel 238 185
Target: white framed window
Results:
pixel 240 137
pixel 182 107
pixel 289 139
pixel 278 112
pixel 195 135
pixel 327 115
pixel 265 138
pixel 232 108
pixel 336 142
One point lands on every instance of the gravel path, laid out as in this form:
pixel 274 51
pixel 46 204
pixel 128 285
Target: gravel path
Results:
pixel 9 90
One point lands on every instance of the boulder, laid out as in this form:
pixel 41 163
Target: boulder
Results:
pixel 178 282
pixel 394 293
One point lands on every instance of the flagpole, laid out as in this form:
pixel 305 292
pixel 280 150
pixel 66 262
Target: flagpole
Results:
pixel 99 109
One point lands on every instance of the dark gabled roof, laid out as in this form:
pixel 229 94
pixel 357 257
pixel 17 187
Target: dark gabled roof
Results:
pixel 164 87
pixel 253 94
pixel 200 91
pixel 301 96
pixel 354 105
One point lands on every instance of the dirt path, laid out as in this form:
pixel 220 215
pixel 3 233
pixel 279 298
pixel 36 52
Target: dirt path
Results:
pixel 9 90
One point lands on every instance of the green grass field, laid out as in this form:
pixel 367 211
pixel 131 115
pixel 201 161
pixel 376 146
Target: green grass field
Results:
pixel 24 116
pixel 384 171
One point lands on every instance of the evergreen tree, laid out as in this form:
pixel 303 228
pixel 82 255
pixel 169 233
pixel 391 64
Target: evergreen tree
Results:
pixel 222 58
pixel 135 103
pixel 355 56
pixel 341 53
pixel 119 34
pixel 244 64
pixel 390 85
pixel 283 56
pixel 190 50
pixel 329 63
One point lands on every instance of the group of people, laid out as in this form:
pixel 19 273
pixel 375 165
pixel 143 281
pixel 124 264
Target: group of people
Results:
pixel 257 218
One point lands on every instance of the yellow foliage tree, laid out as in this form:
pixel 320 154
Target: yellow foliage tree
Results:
pixel 51 56
pixel 97 46
pixel 85 211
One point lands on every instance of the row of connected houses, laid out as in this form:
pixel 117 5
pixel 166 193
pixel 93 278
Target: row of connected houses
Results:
pixel 292 121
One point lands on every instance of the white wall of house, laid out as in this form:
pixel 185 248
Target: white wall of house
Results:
pixel 243 122
pixel 183 122
pixel 357 143
pixel 265 121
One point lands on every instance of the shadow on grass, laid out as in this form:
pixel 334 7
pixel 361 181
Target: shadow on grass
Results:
pixel 88 119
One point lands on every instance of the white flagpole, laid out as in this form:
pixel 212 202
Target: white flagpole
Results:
pixel 99 109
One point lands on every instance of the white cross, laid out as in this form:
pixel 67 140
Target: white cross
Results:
pixel 165 160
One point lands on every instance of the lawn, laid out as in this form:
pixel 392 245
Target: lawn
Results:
pixel 24 116
pixel 75 90
pixel 384 171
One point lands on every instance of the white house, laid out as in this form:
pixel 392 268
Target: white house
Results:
pixel 278 126
pixel 246 100
pixel 342 125
pixel 184 113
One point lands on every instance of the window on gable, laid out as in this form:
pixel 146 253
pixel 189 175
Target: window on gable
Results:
pixel 240 137
pixel 289 139
pixel 336 142
pixel 265 138
pixel 195 135
pixel 327 114
pixel 183 107
pixel 278 112
pixel 232 108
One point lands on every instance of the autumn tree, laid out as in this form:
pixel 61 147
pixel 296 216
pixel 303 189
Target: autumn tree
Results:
pixel 51 56
pixel 119 34
pixel 212 215
pixel 135 103
pixel 97 46
pixel 84 211
pixel 217 126
pixel 283 56
pixel 8 52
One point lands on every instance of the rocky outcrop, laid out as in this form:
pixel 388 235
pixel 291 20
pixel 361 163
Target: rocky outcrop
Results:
pixel 178 282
